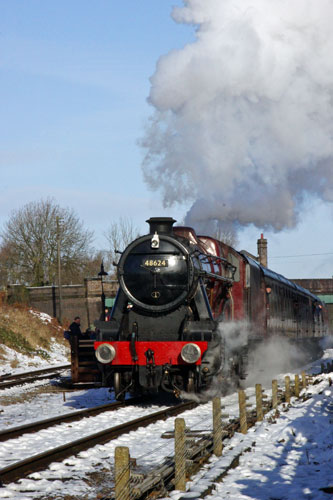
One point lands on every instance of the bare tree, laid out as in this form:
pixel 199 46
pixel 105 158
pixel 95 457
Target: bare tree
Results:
pixel 92 264
pixel 30 238
pixel 6 265
pixel 225 232
pixel 119 235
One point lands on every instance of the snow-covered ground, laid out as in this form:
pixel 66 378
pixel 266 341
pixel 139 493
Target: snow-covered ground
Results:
pixel 59 355
pixel 291 458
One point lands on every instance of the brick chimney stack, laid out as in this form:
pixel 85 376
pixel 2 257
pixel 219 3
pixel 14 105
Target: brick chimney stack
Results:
pixel 262 250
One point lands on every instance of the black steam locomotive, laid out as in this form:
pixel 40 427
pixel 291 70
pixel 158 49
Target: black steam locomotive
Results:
pixel 162 332
pixel 176 293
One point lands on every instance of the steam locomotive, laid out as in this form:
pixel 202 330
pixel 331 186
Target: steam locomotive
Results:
pixel 177 294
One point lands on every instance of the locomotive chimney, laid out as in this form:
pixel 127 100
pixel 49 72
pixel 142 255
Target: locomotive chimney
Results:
pixel 262 250
pixel 161 225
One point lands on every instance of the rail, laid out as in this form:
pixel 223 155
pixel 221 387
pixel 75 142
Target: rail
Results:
pixel 22 468
pixel 15 432
pixel 7 381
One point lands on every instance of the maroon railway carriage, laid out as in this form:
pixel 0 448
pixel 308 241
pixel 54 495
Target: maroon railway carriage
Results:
pixel 272 304
pixel 177 293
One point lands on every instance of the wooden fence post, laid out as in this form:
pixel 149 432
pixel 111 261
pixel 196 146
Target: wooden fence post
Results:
pixel 260 416
pixel 122 473
pixel 180 458
pixel 217 427
pixel 274 394
pixel 297 386
pixel 303 380
pixel 287 384
pixel 242 411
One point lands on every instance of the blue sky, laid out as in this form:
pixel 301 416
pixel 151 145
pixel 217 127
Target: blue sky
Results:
pixel 74 88
pixel 75 78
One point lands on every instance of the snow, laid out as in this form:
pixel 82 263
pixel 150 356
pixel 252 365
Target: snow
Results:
pixel 287 456
pixel 289 459
pixel 59 354
pixel 46 318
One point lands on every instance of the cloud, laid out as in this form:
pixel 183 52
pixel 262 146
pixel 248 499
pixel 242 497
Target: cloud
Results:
pixel 242 124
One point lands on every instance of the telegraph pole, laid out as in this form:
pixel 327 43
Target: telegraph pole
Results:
pixel 59 270
pixel 101 274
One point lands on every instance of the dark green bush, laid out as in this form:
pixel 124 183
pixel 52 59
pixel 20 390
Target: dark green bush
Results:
pixel 17 342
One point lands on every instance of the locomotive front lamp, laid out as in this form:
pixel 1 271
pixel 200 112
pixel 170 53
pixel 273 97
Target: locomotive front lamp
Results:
pixel 155 241
pixel 105 353
pixel 190 353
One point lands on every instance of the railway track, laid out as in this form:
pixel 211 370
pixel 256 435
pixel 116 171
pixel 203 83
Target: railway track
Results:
pixel 10 380
pixel 15 432
pixel 21 469
pixel 201 452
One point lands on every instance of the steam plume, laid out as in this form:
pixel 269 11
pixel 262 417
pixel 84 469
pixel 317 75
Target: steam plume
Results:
pixel 242 125
pixel 273 357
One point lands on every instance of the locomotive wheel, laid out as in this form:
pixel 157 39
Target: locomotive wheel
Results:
pixel 118 387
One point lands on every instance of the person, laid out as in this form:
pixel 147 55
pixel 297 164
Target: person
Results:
pixel 91 332
pixel 75 328
pixel 105 316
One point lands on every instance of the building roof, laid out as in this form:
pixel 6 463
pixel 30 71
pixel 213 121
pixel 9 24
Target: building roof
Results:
pixel 317 286
pixel 328 299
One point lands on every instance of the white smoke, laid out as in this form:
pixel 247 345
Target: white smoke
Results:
pixel 273 357
pixel 327 342
pixel 244 115
pixel 234 336
pixel 265 360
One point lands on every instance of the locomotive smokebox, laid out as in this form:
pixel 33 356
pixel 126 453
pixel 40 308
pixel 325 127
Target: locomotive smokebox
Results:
pixel 161 225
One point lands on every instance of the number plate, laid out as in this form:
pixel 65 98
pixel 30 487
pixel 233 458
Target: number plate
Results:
pixel 155 263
